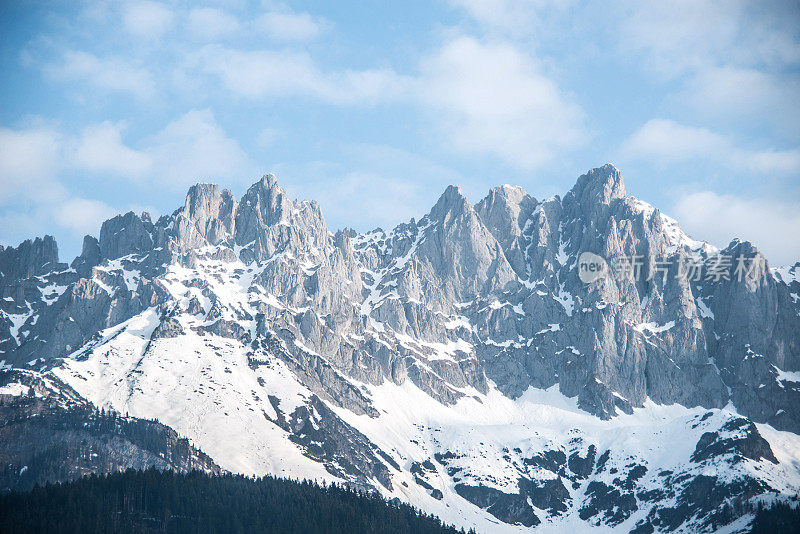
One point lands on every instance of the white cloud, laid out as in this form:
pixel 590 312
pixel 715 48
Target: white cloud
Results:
pixel 494 99
pixel 771 224
pixel 192 148
pixel 733 94
pixel 723 88
pixel 21 223
pixel 108 74
pixel 34 201
pixel 82 216
pixel 668 141
pixel 34 161
pixel 487 98
pixel 263 73
pixel 211 23
pixel 260 73
pixel 772 161
pixel 147 19
pixel 100 149
pixel 195 148
pixel 729 62
pixel 735 61
pixel 370 86
pixel 373 196
pixel 285 25
pixel 696 34
pixel 514 16
pixel 29 161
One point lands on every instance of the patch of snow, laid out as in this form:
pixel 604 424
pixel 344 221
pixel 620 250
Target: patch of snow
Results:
pixel 17 320
pixel 654 328
pixel 554 327
pixel 676 237
pixel 15 389
pixel 788 274
pixel 565 298
pixel 704 310
pixel 458 321
pixel 787 376
pixel 561 256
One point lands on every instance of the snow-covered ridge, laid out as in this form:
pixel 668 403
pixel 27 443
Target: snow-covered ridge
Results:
pixel 675 234
pixel 456 362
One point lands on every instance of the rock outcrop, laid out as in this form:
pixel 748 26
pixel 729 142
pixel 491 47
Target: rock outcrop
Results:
pixel 465 303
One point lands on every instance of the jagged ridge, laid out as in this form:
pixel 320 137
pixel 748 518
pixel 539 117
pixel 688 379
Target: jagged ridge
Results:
pixel 285 324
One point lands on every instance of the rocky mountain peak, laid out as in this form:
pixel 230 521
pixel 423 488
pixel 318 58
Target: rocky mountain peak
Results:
pixel 264 204
pixel 123 235
pixel 269 181
pixel 30 258
pixel 741 246
pixel 89 257
pixel 278 321
pixel 207 216
pixel 602 185
pixel 201 195
pixel 451 204
pixel 514 193
pixel 460 250
pixel 505 209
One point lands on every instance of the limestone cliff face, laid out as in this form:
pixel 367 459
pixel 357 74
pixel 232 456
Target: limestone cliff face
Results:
pixel 466 301
pixel 503 271
pixel 31 258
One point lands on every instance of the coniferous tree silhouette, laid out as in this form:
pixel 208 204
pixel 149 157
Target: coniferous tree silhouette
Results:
pixel 165 501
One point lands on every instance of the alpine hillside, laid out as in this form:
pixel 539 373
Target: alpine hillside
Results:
pixel 457 362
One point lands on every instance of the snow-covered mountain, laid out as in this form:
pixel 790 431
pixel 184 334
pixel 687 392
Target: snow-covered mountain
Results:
pixel 458 362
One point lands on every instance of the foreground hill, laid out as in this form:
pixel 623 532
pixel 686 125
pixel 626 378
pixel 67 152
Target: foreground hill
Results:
pixel 48 433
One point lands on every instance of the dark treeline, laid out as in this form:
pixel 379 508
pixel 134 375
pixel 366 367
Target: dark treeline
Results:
pixel 781 517
pixel 164 501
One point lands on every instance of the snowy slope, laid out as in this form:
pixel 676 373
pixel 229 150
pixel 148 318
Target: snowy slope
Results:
pixel 206 387
pixel 456 362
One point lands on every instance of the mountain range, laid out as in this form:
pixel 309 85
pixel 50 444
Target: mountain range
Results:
pixel 461 362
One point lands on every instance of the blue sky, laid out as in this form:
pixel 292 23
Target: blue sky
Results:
pixel 373 108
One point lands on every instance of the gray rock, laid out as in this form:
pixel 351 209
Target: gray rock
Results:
pixel 125 234
pixel 207 217
pixel 464 299
pixel 90 256
pixel 30 258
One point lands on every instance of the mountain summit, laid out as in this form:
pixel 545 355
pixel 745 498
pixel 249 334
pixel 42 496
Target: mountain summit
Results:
pixel 457 362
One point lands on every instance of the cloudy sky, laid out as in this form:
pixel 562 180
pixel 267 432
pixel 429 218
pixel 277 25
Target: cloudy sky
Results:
pixel 373 108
